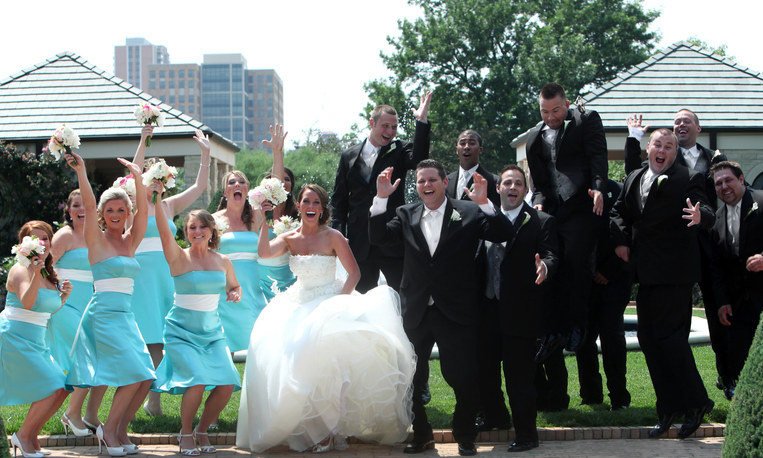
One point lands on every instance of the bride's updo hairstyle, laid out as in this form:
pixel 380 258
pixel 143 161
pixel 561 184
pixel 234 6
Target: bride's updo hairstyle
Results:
pixel 324 198
pixel 207 220
pixel 109 195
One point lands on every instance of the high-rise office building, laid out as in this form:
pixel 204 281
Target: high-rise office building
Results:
pixel 131 61
pixel 178 85
pixel 265 106
pixel 223 95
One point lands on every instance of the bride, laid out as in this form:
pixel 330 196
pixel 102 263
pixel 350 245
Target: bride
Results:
pixel 324 362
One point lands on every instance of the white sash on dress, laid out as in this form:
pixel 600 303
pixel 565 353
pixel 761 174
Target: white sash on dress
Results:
pixel 27 316
pixel 197 302
pixel 75 275
pixel 149 244
pixel 274 262
pixel 242 256
pixel 115 285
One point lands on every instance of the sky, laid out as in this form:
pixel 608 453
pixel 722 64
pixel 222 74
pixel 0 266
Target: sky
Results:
pixel 323 51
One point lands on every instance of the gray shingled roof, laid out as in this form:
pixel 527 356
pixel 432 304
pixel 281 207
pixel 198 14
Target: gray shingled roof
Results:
pixel 724 94
pixel 68 89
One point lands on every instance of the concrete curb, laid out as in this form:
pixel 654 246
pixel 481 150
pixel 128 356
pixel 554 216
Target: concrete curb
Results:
pixel 440 436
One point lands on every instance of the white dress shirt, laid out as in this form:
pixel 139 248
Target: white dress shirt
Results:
pixel 463 177
pixel 369 153
pixel 691 156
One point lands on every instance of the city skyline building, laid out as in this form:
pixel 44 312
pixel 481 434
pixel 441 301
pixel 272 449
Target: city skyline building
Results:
pixel 131 61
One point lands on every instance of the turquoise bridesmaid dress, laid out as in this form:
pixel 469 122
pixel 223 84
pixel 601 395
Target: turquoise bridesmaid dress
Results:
pixel 238 318
pixel 28 373
pixel 195 350
pixel 152 301
pixel 75 267
pixel 108 349
pixel 275 270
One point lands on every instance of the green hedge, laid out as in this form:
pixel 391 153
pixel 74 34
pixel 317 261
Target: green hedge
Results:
pixel 744 427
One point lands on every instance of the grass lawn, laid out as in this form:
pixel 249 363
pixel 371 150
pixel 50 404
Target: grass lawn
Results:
pixel 641 412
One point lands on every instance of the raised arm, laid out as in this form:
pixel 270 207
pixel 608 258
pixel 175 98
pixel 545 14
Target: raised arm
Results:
pixel 268 248
pixel 140 219
pixel 171 249
pixel 140 153
pixel 183 200
pixel 277 137
pixel 92 231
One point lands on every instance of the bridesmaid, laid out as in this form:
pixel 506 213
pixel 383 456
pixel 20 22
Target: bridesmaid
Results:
pixel 196 354
pixel 30 375
pixel 239 243
pixel 108 349
pixel 69 255
pixel 276 270
pixel 152 301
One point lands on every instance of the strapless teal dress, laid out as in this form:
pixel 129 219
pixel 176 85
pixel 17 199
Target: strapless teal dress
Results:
pixel 275 270
pixel 153 299
pixel 238 318
pixel 108 348
pixel 29 372
pixel 75 267
pixel 195 350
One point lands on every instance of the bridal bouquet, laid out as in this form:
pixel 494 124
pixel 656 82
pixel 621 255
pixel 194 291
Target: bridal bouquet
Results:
pixel 149 114
pixel 127 183
pixel 162 172
pixel 29 247
pixel 62 141
pixel 285 224
pixel 270 189
pixel 220 224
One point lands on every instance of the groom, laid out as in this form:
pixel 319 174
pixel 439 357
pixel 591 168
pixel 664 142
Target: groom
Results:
pixel 439 288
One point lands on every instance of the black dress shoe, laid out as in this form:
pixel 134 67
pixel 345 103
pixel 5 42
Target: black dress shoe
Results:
pixel 728 393
pixel 694 419
pixel 615 408
pixel 522 446
pixel 467 449
pixel 575 340
pixel 719 383
pixel 426 395
pixel 419 446
pixel 663 425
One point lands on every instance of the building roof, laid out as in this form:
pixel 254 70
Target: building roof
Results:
pixel 68 89
pixel 724 94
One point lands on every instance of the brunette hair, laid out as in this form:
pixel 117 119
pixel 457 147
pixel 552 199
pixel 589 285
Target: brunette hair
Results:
pixel 109 195
pixel 514 167
pixel 207 220
pixel 551 90
pixel 26 230
pixel 324 198
pixel 246 213
pixel 735 168
pixel 68 206
pixel 432 164
pixel 290 207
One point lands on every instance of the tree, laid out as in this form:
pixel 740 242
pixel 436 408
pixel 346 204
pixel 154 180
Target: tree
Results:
pixel 721 50
pixel 487 59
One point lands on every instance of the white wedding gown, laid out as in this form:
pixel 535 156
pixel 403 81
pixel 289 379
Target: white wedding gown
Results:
pixel 322 363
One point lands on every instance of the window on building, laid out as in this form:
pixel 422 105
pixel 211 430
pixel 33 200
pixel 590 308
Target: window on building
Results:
pixel 181 84
pixel 172 74
pixel 161 74
pixel 161 84
pixel 152 74
pixel 191 99
pixel 191 109
pixel 270 113
pixel 190 73
pixel 172 100
pixel 181 73
pixel 152 84
pixel 270 78
pixel 172 84
pixel 181 98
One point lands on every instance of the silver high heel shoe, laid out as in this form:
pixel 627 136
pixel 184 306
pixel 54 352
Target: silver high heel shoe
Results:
pixel 188 451
pixel 17 444
pixel 204 448
pixel 324 446
pixel 112 451
pixel 130 449
pixel 79 432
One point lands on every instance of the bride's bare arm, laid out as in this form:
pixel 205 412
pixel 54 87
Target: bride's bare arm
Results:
pixel 344 253
pixel 269 248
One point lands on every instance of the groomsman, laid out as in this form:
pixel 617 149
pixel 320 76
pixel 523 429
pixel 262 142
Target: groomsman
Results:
pixel 649 231
pixel 439 287
pixel 518 273
pixel 696 157
pixel 738 239
pixel 355 187
pixel 468 149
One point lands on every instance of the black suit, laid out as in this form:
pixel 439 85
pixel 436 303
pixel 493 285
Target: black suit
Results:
pixel 448 279
pixel 353 195
pixel 734 284
pixel 718 333
pixel 492 180
pixel 665 256
pixel 515 321
pixel 582 161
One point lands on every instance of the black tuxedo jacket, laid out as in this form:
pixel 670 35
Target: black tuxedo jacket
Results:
pixel 663 250
pixel 352 196
pixel 582 157
pixel 492 180
pixel 448 276
pixel 733 283
pixel 633 162
pixel 521 300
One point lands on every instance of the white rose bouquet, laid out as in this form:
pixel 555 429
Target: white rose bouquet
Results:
pixel 270 189
pixel 127 183
pixel 62 141
pixel 220 224
pixel 149 114
pixel 285 224
pixel 29 247
pixel 162 172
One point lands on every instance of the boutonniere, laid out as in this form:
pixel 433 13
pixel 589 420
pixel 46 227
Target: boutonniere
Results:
pixel 566 121
pixel 660 179
pixel 716 154
pixel 524 221
pixel 455 216
pixel 392 146
pixel 752 210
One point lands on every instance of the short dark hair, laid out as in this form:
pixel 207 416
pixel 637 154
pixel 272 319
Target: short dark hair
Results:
pixel 693 114
pixel 551 90
pixel 324 198
pixel 432 164
pixel 735 168
pixel 514 167
pixel 472 132
pixel 381 109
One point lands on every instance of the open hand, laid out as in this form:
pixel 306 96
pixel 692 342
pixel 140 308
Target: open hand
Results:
pixel 635 121
pixel 420 113
pixel 136 171
pixel 384 185
pixel 692 213
pixel 277 137
pixel 201 139
pixel 598 201
pixel 540 270
pixel 478 193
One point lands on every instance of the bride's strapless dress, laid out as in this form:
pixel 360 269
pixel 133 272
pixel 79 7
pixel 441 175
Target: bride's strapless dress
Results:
pixel 322 363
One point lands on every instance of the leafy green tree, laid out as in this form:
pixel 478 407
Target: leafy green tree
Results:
pixel 487 59
pixel 721 50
